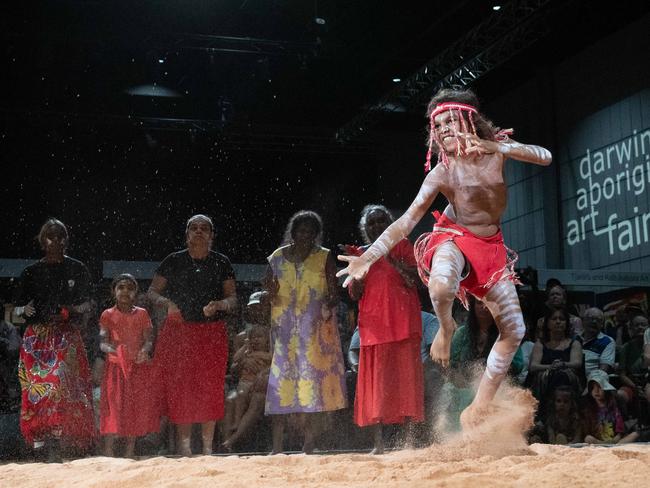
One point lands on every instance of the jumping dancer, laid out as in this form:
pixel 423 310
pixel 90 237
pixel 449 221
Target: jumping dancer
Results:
pixel 465 251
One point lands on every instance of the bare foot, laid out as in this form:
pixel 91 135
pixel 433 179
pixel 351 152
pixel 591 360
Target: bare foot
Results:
pixel 561 439
pixel 227 445
pixel 377 451
pixel 187 452
pixel 308 447
pixel 440 348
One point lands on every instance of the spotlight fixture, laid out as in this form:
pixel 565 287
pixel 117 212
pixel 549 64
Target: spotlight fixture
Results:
pixel 496 7
pixel 396 80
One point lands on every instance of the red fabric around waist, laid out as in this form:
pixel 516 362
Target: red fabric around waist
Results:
pixel 488 258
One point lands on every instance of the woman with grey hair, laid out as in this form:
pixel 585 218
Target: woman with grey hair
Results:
pixel 390 384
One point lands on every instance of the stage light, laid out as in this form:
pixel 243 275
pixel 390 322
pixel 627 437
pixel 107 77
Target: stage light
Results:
pixel 161 61
pixel 496 7
pixel 320 20
pixel 396 80
pixel 152 90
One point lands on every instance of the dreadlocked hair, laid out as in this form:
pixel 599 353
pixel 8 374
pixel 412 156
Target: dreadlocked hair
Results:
pixel 485 129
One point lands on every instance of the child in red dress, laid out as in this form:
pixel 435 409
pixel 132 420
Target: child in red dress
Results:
pixel 127 403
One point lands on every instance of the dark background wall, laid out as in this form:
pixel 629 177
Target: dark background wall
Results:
pixel 126 191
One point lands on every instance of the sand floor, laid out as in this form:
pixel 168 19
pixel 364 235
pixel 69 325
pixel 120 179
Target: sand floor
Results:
pixel 538 465
pixel 492 454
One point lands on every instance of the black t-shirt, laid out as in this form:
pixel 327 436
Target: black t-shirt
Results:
pixel 53 286
pixel 193 283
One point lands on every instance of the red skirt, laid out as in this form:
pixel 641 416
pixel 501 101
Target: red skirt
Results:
pixel 488 258
pixel 191 358
pixel 128 404
pixel 390 385
pixel 55 382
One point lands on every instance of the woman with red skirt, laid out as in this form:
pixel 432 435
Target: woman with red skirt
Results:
pixel 390 384
pixel 192 350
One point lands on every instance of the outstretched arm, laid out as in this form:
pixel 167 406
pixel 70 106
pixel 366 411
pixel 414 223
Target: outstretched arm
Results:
pixel 358 265
pixel 527 153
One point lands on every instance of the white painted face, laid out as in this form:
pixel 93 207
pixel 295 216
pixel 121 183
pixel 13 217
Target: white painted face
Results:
pixel 446 128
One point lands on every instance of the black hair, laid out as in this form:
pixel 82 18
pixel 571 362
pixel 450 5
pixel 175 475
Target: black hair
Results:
pixel 308 217
pixel 51 222
pixel 546 334
pixel 123 277
pixel 485 129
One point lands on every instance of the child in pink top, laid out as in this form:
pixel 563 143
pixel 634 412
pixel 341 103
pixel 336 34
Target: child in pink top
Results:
pixel 127 403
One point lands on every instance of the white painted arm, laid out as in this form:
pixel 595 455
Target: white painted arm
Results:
pixel 527 153
pixel 358 265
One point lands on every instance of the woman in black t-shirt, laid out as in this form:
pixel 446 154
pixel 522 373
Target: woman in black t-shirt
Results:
pixel 53 369
pixel 192 351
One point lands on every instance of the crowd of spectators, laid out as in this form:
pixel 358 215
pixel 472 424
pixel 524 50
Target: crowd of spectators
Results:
pixel 124 371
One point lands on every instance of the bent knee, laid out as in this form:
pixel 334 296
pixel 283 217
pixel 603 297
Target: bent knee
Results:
pixel 519 332
pixel 512 327
pixel 442 289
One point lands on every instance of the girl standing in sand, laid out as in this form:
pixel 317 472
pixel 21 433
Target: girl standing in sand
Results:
pixel 126 404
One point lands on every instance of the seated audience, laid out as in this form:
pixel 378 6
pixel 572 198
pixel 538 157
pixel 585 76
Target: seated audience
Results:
pixel 556 358
pixel 10 341
pixel 599 350
pixel 632 371
pixel 563 424
pixel 616 328
pixel 252 359
pixel 556 298
pixel 603 422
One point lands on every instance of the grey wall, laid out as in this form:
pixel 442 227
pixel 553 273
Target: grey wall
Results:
pixel 604 176
pixel 597 100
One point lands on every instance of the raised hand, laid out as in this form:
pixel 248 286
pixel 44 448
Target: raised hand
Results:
pixel 474 144
pixel 172 308
pixel 29 309
pixel 211 308
pixel 356 269
pixel 142 357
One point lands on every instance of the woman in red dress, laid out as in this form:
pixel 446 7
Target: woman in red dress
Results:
pixel 390 385
pixel 127 399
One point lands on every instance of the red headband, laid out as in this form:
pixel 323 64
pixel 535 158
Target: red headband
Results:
pixel 442 107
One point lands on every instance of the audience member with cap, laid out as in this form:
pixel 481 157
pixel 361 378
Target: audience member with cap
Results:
pixel 603 421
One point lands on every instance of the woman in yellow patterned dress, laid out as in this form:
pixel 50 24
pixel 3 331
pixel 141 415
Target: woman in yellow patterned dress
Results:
pixel 307 372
